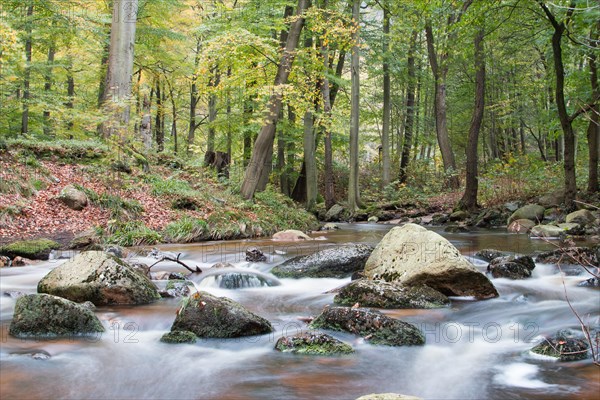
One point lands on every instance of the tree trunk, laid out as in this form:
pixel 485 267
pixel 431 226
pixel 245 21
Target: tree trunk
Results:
pixel 440 71
pixel 27 72
pixel 410 107
pixel 194 98
pixel 158 126
pixel 469 198
pixel 48 86
pixel 309 160
pixel 120 64
pixel 385 129
pixel 565 119
pixel 326 93
pixel 593 130
pixel 353 187
pixel 70 91
pixel 212 110
pixel 281 167
pixel 263 147
pixel 146 124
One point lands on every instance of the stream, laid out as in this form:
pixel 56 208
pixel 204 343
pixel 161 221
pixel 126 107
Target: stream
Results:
pixel 474 350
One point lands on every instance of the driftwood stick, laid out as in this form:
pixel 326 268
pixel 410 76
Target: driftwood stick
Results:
pixel 178 261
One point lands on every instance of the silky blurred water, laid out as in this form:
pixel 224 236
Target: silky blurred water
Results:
pixel 474 350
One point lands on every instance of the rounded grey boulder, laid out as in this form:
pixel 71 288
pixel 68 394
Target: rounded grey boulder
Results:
pixel 100 278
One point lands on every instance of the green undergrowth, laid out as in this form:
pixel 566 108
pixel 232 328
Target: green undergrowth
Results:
pixel 65 149
pixel 119 208
pixel 131 233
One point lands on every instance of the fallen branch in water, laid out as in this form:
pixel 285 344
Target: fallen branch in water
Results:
pixel 178 261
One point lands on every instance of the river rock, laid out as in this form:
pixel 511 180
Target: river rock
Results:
pixel 33 249
pixel 533 212
pixel 19 261
pixel 373 218
pixel 546 231
pixel 100 278
pixel 177 337
pixel 177 288
pixel 333 262
pixel 73 198
pixel 455 228
pixel 44 315
pixel 564 345
pixel 387 396
pixel 291 235
pixel 459 215
pixel 312 343
pixel 330 226
pixel 84 240
pixel 581 217
pixel 209 316
pixel 240 280
pixel 591 283
pixel 521 226
pixel 5 262
pixel 335 213
pixel 553 199
pixel 413 256
pixel 489 254
pixel 374 326
pixel 381 294
pixel 490 217
pixel 254 254
pixel 511 267
pixel 571 255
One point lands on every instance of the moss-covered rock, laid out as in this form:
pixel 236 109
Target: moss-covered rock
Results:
pixel 370 324
pixel 73 198
pixel 218 317
pixel 313 343
pixel 34 249
pixel 489 254
pixel 511 267
pixel 43 315
pixel 571 255
pixel 334 262
pixel 177 288
pixel 100 278
pixel 381 294
pixel 564 345
pixel 176 337
pixel 532 212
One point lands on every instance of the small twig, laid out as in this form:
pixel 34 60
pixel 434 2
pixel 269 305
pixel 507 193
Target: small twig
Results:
pixel 586 204
pixel 167 258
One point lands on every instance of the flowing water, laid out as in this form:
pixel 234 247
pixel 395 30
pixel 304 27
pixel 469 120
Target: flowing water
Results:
pixel 474 350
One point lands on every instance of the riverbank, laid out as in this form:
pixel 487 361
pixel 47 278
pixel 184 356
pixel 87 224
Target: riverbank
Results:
pixel 162 201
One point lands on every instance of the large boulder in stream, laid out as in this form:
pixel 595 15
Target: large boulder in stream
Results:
pixel 511 267
pixel 413 256
pixel 381 294
pixel 209 316
pixel 290 235
pixel 101 278
pixel 372 325
pixel 532 212
pixel 314 343
pixel 334 262
pixel 43 315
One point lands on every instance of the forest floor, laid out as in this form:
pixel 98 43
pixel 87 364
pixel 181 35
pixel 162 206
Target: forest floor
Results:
pixel 170 203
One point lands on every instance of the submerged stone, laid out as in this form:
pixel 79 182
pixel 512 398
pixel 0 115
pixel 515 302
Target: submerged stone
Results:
pixel 314 343
pixel 564 345
pixel 176 337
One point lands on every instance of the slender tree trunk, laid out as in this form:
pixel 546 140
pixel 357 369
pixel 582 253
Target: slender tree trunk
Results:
pixel 593 130
pixel 410 107
pixel 440 71
pixel 146 123
pixel 469 198
pixel 70 92
pixel 120 64
pixel 159 132
pixel 48 86
pixel 263 147
pixel 310 161
pixel 565 119
pixel 194 98
pixel 212 110
pixel 326 93
pixel 353 186
pixel 281 167
pixel 27 72
pixel 385 129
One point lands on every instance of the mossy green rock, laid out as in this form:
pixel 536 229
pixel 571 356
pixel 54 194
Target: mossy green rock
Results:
pixel 209 316
pixel 100 278
pixel 34 249
pixel 313 343
pixel 43 315
pixel 334 262
pixel 381 294
pixel 511 267
pixel 176 337
pixel 411 255
pixel 370 324
pixel 564 345
pixel 533 212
